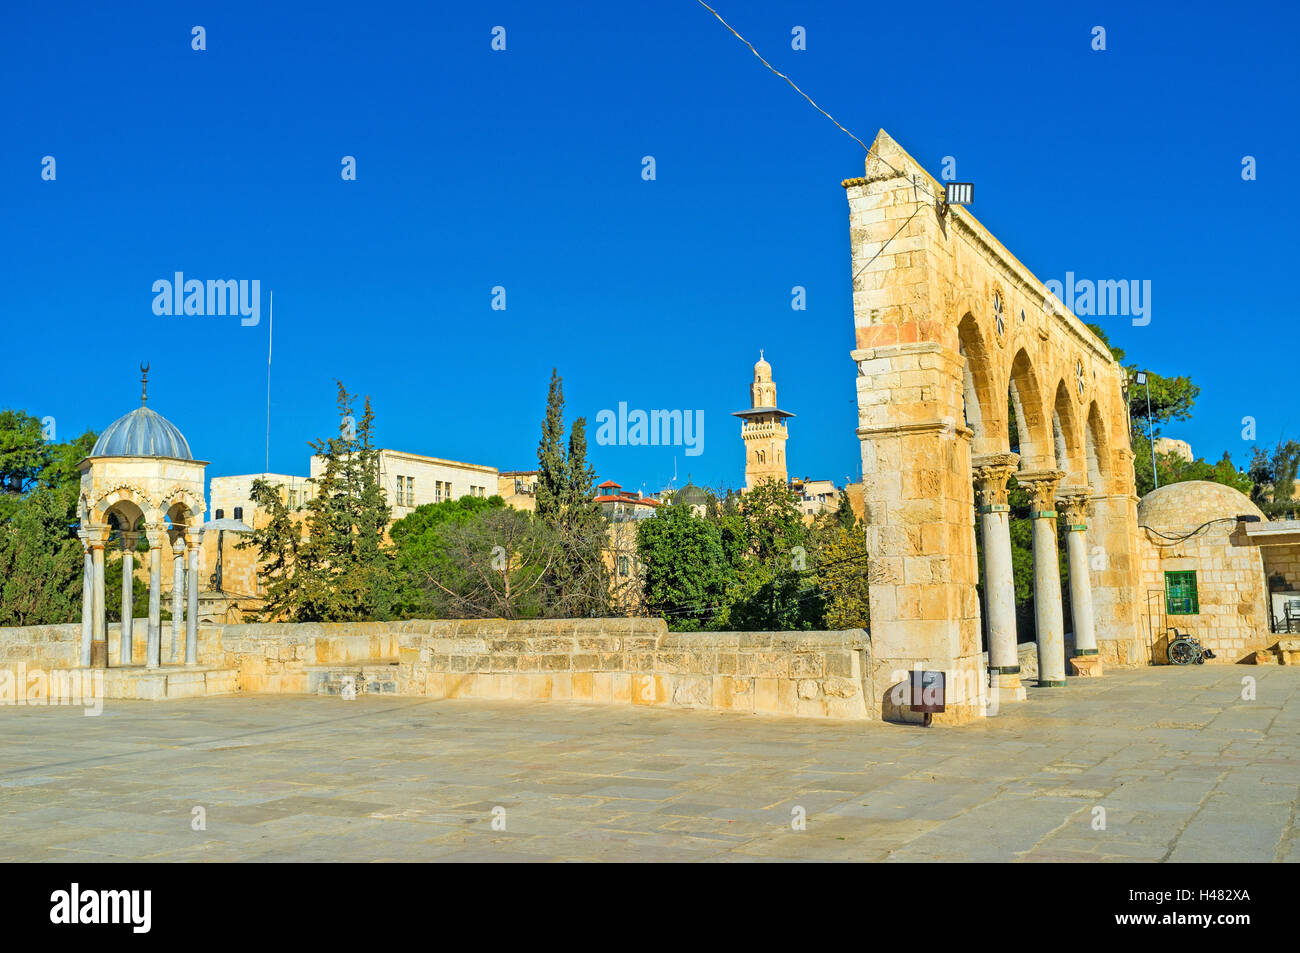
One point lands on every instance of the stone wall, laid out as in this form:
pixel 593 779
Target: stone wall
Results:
pixel 631 661
pixel 639 662
pixel 1230 582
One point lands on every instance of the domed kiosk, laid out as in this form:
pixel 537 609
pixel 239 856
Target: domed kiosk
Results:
pixel 1201 570
pixel 141 480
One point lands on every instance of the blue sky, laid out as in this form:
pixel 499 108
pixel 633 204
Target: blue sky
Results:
pixel 478 168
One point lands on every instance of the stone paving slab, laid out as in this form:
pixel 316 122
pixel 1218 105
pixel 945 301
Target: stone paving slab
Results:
pixel 1139 766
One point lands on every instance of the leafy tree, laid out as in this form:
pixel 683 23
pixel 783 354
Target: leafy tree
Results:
pixel 340 568
pixel 1273 477
pixel 494 564
pixel 40 555
pixel 420 542
pixel 23 452
pixel 578 582
pixel 842 567
pixel 280 553
pixel 553 473
pixel 40 563
pixel 686 570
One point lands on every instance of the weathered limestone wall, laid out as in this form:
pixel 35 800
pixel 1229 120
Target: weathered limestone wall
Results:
pixel 617 661
pixel 1284 561
pixel 41 646
pixel 639 662
pixel 1233 619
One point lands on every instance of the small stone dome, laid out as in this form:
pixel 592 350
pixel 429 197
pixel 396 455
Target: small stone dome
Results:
pixel 1182 507
pixel 762 369
pixel 142 433
pixel 690 495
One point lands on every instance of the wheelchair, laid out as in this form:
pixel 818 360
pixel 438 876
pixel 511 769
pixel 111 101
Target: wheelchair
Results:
pixel 1186 649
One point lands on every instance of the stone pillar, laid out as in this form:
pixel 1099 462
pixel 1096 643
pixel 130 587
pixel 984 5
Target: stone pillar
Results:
pixel 87 601
pixel 920 542
pixel 991 472
pixel 154 651
pixel 192 610
pixel 128 595
pixel 1048 616
pixel 1074 500
pixel 178 595
pixel 99 632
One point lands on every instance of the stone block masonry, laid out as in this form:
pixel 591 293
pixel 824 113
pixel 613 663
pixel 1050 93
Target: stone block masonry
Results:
pixel 610 661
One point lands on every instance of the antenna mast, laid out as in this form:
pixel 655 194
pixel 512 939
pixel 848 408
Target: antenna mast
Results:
pixel 270 332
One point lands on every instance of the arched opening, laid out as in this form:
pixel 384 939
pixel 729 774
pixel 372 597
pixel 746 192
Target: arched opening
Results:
pixel 1065 437
pixel 978 405
pixel 1096 451
pixel 1028 432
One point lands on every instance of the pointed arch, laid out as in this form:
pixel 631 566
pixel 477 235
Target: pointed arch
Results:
pixel 984 415
pixel 1033 426
pixel 1067 439
pixel 1097 450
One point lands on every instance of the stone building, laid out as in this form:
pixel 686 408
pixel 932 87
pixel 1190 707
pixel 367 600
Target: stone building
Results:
pixel 763 429
pixel 1213 566
pixel 518 488
pixel 412 479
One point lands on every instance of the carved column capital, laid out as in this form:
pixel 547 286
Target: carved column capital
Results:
pixel 156 534
pixel 1041 486
pixel 990 472
pixel 1073 501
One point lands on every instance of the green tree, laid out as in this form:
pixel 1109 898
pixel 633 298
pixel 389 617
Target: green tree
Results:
pixel 337 568
pixel 40 563
pixel 686 570
pixel 578 583
pixel 420 542
pixel 23 452
pixel 494 564
pixel 40 555
pixel 1273 477
pixel 279 554
pixel 553 472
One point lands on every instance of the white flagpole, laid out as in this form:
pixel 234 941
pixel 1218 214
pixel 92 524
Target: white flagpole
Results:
pixel 270 331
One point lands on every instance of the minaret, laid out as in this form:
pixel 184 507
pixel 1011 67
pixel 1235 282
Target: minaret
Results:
pixel 763 431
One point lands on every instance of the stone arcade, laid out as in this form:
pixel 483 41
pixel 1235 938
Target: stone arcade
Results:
pixel 948 324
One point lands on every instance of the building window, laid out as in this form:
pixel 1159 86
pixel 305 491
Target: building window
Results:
pixel 400 481
pixel 410 491
pixel 623 565
pixel 1180 594
pixel 293 499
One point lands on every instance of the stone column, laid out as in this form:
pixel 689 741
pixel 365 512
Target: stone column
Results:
pixel 128 595
pixel 99 632
pixel 154 651
pixel 178 595
pixel 1074 500
pixel 991 472
pixel 87 601
pixel 1048 619
pixel 192 611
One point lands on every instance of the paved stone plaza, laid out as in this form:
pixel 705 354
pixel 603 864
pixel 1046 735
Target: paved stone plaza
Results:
pixel 1185 769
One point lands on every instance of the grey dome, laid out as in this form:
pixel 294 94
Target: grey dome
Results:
pixel 142 433
pixel 690 495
